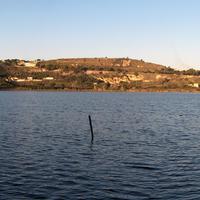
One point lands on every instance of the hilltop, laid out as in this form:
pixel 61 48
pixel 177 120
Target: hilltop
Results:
pixel 98 74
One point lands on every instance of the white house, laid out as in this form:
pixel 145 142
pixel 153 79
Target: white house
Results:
pixel 30 64
pixel 196 85
pixel 48 78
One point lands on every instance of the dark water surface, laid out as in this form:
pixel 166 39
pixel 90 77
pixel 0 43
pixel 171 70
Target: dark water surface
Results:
pixel 147 146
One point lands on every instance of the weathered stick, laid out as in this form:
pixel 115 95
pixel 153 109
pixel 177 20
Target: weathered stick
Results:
pixel 91 128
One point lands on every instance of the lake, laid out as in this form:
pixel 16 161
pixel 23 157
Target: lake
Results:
pixel 146 146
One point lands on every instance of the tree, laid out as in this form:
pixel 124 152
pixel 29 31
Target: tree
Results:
pixel 3 72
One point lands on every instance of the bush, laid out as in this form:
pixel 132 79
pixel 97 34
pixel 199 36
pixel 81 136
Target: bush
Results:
pixel 192 72
pixel 3 72
pixel 81 81
pixel 80 69
pixel 169 70
pixel 11 62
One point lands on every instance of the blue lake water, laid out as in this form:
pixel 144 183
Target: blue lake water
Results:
pixel 146 146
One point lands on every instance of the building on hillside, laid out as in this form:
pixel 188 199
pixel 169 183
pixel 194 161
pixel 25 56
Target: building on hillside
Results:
pixel 20 63
pixel 196 85
pixel 30 78
pixel 14 78
pixel 30 64
pixel 126 62
pixel 27 63
pixel 48 78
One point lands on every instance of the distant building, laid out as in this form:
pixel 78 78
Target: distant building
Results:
pixel 30 64
pixel 16 79
pixel 126 62
pixel 20 80
pixel 29 78
pixel 48 78
pixel 196 85
pixel 20 63
pixel 26 63
pixel 95 86
pixel 13 78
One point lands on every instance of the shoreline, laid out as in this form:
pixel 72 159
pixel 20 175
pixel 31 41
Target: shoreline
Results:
pixel 101 91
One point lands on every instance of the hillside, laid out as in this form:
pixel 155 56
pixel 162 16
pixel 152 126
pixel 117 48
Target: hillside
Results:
pixel 98 74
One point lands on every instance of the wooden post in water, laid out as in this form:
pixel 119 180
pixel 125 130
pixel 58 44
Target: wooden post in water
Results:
pixel 91 128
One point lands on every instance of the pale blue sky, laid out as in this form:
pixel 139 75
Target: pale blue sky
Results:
pixel 161 31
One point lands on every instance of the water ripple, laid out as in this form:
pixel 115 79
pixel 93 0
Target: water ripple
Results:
pixel 146 146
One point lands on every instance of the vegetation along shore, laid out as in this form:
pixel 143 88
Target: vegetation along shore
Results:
pixel 96 74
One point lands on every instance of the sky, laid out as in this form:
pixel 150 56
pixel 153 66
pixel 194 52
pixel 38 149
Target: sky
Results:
pixel 159 31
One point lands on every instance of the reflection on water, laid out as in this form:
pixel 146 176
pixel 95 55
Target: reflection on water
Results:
pixel 146 146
